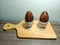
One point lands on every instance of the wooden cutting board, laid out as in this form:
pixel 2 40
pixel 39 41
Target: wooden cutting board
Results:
pixel 34 32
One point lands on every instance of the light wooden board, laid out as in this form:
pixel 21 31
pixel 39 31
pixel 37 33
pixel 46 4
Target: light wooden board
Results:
pixel 35 32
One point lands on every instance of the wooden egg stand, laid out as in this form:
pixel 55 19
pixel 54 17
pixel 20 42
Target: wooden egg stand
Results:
pixel 35 32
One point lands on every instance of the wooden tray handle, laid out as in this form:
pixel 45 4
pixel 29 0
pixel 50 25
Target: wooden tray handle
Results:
pixel 9 26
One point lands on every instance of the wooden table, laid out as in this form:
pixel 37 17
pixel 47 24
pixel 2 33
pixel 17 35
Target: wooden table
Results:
pixel 10 38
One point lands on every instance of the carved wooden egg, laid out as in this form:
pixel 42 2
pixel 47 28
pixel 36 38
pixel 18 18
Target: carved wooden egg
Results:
pixel 29 16
pixel 44 17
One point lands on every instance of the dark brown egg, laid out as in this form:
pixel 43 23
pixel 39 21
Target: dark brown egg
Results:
pixel 44 17
pixel 29 16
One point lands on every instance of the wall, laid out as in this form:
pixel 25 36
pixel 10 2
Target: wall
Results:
pixel 16 9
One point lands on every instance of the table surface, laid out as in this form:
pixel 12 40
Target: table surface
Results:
pixel 10 37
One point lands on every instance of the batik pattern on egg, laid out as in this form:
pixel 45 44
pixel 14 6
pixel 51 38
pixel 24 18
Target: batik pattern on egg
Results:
pixel 44 17
pixel 29 16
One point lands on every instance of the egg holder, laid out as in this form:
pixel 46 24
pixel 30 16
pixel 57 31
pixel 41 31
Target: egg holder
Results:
pixel 35 32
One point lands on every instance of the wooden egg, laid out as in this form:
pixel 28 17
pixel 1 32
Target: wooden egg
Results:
pixel 44 17
pixel 29 16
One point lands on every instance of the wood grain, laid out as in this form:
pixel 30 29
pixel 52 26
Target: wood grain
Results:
pixel 35 32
